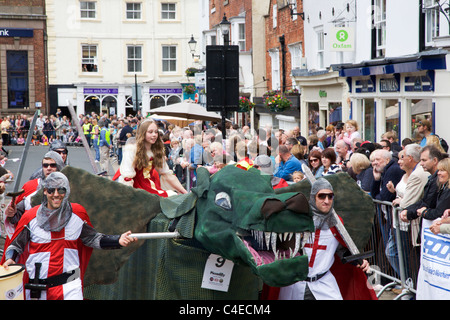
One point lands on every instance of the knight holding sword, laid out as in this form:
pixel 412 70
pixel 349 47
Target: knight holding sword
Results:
pixel 56 239
pixel 328 277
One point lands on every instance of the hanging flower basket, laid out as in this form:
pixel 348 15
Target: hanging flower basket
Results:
pixel 292 92
pixel 245 105
pixel 190 89
pixel 271 93
pixel 277 103
pixel 190 72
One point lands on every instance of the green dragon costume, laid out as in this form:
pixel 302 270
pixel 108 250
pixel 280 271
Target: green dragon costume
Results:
pixel 234 213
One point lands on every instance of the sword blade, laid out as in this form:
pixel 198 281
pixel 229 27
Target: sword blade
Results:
pixel 18 176
pixel 339 226
pixel 82 137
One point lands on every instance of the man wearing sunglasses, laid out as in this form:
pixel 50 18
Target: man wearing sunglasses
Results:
pixel 51 162
pixel 60 148
pixel 325 248
pixel 59 238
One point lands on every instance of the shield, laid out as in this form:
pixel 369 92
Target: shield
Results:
pixel 187 110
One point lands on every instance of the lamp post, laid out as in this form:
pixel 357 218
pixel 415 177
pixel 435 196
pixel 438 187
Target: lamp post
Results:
pixel 192 45
pixel 225 26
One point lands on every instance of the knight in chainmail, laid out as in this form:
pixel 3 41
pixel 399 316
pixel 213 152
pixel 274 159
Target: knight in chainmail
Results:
pixel 58 236
pixel 322 248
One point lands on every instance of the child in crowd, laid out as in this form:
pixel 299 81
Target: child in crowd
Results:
pixel 297 176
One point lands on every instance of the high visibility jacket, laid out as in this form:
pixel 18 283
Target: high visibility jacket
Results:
pixel 86 128
pixel 106 135
pixel 93 131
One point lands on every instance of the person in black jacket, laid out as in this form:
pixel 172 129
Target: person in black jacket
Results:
pixel 385 169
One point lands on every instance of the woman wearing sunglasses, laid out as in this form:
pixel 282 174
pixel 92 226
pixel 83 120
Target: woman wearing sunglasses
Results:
pixel 326 279
pixel 315 163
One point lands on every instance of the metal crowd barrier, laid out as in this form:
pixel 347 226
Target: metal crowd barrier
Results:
pixel 387 235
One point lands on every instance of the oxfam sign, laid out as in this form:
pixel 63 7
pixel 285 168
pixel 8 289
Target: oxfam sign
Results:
pixel 342 39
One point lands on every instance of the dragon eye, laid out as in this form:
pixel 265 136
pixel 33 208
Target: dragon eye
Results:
pixel 223 200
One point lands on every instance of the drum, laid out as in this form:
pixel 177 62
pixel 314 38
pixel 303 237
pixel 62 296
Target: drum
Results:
pixel 11 282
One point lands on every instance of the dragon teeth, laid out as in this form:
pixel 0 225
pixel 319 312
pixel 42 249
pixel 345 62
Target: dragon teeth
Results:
pixel 267 237
pixel 268 241
pixel 273 243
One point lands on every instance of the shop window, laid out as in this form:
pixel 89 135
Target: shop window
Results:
pixel 89 58
pixel 109 106
pixel 369 119
pixel 92 104
pixel 313 117
pixel 17 66
pixel 420 110
pixel 156 102
pixel 335 113
pixel 173 99
pixel 392 116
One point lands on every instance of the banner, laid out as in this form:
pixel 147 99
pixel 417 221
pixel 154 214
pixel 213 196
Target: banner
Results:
pixel 434 275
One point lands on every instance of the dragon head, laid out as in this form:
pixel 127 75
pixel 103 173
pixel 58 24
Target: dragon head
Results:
pixel 241 218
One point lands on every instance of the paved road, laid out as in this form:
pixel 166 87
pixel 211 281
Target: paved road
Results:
pixel 77 158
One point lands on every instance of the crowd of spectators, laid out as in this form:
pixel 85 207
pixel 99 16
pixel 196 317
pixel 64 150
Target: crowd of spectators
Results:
pixel 392 171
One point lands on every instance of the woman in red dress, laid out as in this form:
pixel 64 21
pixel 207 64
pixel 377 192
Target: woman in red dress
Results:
pixel 144 164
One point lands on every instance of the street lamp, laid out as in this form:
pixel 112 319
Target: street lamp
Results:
pixel 293 6
pixel 225 28
pixel 192 44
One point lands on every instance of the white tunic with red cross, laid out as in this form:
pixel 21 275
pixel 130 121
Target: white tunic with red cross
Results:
pixel 320 250
pixel 58 253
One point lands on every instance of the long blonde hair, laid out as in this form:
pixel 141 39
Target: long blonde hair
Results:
pixel 141 160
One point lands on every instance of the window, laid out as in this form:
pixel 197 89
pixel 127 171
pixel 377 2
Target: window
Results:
pixel 320 49
pixel 275 62
pixel 168 11
pixel 169 59
pixel 134 11
pixel 87 9
pixel 89 58
pixel 432 17
pixel 296 55
pixel 275 13
pixel 17 73
pixel 380 27
pixel 134 58
pixel 241 36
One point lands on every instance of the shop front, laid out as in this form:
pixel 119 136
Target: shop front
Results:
pixel 395 94
pixel 117 99
pixel 324 99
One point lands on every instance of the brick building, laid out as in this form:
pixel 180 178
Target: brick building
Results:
pixel 284 43
pixel 23 81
